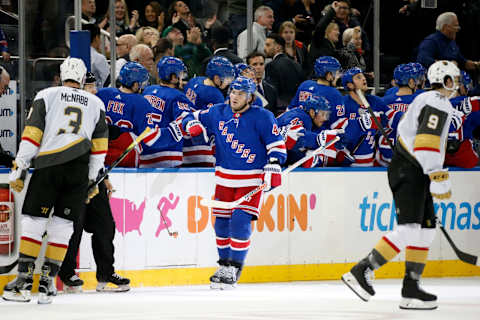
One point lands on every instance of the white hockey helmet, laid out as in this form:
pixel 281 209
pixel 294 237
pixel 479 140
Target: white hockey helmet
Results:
pixel 73 69
pixel 441 69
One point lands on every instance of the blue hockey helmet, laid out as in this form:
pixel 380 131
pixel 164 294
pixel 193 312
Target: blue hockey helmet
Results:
pixel 466 80
pixel 240 67
pixel 326 64
pixel 315 103
pixel 420 71
pixel 132 72
pixel 403 73
pixel 170 65
pixel 221 67
pixel 243 84
pixel 348 76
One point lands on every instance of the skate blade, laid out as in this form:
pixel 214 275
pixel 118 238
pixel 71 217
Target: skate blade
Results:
pixel 107 287
pixel 44 298
pixel 72 289
pixel 353 284
pixel 416 304
pixel 227 286
pixel 216 285
pixel 22 296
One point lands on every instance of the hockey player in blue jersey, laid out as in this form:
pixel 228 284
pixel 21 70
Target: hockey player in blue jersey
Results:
pixel 421 74
pixel 326 69
pixel 244 70
pixel 361 126
pixel 128 114
pixel 204 92
pixel 171 104
pixel 249 150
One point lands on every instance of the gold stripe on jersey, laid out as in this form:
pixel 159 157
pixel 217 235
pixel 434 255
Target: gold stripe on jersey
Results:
pixel 426 142
pixel 32 134
pixel 99 145
pixel 65 147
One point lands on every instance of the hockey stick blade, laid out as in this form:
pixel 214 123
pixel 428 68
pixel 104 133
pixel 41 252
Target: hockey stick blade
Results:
pixel 463 256
pixel 230 205
pixel 7 269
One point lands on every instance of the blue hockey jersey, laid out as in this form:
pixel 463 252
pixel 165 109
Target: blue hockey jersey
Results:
pixel 170 104
pixel 244 143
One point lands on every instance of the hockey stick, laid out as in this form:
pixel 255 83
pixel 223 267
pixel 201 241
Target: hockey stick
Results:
pixel 230 205
pixel 7 269
pixel 132 145
pixel 462 256
pixel 171 234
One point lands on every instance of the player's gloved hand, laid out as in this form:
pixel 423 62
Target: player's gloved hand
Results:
pixel 294 136
pixel 440 186
pixel 175 128
pixel 457 119
pixel 197 131
pixel 92 191
pixel 17 175
pixel 272 174
pixel 325 136
pixel 470 104
pixel 312 161
pixel 366 121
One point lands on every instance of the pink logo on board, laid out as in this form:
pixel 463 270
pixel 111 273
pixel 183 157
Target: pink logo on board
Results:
pixel 164 206
pixel 133 216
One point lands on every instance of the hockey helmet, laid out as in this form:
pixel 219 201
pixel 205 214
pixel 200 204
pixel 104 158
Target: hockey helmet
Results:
pixel 315 103
pixel 73 69
pixel 348 76
pixel 132 72
pixel 169 65
pixel 221 67
pixel 90 78
pixel 440 70
pixel 403 73
pixel 243 84
pixel 240 67
pixel 326 64
pixel 466 80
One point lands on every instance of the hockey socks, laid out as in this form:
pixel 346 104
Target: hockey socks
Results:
pixel 241 230
pixel 222 232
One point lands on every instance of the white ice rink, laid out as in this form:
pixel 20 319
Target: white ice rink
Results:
pixel 459 299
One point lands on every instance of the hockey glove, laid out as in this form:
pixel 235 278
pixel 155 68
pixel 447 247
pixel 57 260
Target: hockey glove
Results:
pixel 175 129
pixel 470 104
pixel 92 191
pixel 17 176
pixel 457 119
pixel 197 132
pixel 312 161
pixel 272 174
pixel 294 137
pixel 440 186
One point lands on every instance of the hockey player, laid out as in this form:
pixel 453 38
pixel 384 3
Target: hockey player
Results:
pixel 245 70
pixel 249 149
pixel 297 127
pixel 204 92
pixel 65 138
pixel 360 121
pixel 326 70
pixel 405 77
pixel 171 105
pixel 415 175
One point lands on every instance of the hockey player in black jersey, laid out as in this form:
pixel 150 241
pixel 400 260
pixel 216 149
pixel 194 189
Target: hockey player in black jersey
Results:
pixel 415 175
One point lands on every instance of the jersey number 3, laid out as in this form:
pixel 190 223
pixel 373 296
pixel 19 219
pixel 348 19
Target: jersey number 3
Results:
pixel 74 123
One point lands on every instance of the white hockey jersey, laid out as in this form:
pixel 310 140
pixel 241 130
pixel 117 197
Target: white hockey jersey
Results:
pixel 423 129
pixel 63 124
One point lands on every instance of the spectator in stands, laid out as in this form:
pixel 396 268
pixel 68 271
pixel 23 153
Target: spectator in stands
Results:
pixel 263 24
pixel 441 45
pixel 142 54
pixel 293 48
pixel 148 36
pixel 163 48
pixel 123 23
pixel 304 14
pixel 180 16
pixel 89 7
pixel 4 81
pixel 174 35
pixel 4 46
pixel 124 44
pixel 257 61
pixel 352 54
pixel 220 45
pixel 154 16
pixel 282 72
pixel 100 67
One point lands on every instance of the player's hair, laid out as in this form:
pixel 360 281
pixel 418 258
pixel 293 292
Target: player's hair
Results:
pixel 261 11
pixel 443 19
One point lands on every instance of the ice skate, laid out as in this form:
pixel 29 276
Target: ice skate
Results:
pixel 72 284
pixel 113 283
pixel 414 298
pixel 216 281
pixel 46 287
pixel 231 278
pixel 20 289
pixel 359 280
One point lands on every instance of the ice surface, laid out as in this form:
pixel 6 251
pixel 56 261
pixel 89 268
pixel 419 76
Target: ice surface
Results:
pixel 459 299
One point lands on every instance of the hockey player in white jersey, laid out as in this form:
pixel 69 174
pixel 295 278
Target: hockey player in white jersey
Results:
pixel 415 175
pixel 65 140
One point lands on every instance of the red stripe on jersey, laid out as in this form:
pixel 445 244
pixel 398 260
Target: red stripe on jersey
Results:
pixel 99 152
pixel 394 247
pixel 58 245
pixel 238 176
pixel 364 160
pixel 427 149
pixel 31 240
pixel 239 245
pixel 417 248
pixel 36 144
pixel 159 159
pixel 223 242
